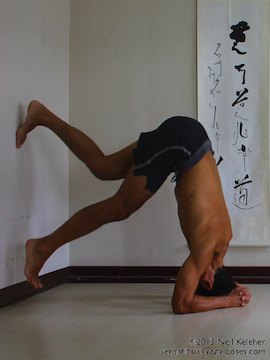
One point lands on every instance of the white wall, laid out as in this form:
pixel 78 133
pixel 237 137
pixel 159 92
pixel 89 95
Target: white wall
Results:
pixel 133 64
pixel 34 63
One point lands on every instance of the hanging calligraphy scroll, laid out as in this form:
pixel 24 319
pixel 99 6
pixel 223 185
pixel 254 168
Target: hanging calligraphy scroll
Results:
pixel 233 105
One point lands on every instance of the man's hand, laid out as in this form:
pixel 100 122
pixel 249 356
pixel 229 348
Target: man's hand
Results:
pixel 239 297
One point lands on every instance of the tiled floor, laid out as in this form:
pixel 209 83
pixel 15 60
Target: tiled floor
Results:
pixel 128 322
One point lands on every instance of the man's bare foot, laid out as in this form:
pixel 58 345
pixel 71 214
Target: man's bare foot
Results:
pixel 34 116
pixel 35 259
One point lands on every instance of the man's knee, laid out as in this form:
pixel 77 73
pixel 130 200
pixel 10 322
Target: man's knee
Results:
pixel 122 210
pixel 97 169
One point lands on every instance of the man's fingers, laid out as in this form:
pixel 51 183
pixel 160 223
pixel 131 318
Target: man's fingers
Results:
pixel 245 299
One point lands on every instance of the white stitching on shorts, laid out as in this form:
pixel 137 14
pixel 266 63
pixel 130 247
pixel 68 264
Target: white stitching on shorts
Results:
pixel 151 159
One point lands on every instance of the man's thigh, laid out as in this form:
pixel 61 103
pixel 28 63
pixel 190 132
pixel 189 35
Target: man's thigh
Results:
pixel 133 193
pixel 117 165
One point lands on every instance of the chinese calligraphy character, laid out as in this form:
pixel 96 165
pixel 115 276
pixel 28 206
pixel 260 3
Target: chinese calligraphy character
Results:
pixel 240 99
pixel 244 152
pixel 239 68
pixel 240 132
pixel 239 36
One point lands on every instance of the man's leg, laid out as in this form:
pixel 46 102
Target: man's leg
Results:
pixel 112 167
pixel 131 195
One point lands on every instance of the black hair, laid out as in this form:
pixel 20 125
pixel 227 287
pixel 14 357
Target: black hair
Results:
pixel 223 284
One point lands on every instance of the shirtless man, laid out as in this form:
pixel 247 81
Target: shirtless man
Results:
pixel 178 145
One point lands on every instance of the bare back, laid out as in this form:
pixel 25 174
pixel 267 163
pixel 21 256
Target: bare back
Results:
pixel 201 203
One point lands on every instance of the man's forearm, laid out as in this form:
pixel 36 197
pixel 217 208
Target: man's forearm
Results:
pixel 239 297
pixel 201 304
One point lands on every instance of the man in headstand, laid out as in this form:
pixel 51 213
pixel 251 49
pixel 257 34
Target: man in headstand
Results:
pixel 178 145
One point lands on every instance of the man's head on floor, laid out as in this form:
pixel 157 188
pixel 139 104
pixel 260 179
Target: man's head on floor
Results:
pixel 221 284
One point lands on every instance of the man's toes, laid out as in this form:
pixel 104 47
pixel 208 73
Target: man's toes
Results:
pixel 36 283
pixel 20 137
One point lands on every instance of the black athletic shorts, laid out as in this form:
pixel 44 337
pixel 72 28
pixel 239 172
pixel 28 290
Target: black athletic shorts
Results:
pixel 175 146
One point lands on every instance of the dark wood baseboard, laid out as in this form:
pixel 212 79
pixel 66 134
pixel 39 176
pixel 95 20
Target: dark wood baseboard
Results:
pixel 24 290
pixel 120 274
pixel 155 274
pixel 250 275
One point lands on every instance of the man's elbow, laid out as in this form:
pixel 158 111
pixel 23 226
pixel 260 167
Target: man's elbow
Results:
pixel 180 308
